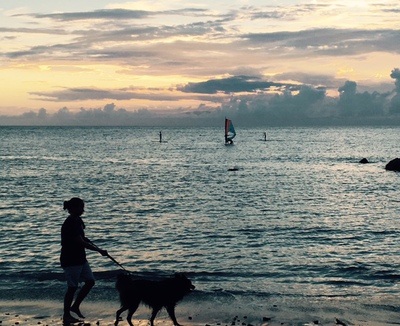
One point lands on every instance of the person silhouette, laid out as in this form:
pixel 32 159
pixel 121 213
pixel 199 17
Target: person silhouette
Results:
pixel 73 259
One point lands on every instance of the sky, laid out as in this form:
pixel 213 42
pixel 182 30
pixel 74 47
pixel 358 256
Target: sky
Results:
pixel 137 59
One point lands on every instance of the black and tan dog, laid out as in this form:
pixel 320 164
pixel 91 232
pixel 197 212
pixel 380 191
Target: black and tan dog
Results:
pixel 165 293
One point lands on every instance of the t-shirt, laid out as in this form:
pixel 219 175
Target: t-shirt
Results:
pixel 72 252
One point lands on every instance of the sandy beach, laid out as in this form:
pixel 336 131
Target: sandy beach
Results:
pixel 49 313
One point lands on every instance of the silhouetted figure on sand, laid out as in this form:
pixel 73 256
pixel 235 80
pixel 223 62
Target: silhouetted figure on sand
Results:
pixel 73 259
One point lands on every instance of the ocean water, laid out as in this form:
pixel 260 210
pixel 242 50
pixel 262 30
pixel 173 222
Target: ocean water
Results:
pixel 299 223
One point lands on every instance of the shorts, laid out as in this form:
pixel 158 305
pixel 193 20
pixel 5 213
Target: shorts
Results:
pixel 77 274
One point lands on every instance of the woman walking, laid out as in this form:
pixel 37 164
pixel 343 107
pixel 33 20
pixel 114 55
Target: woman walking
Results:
pixel 73 259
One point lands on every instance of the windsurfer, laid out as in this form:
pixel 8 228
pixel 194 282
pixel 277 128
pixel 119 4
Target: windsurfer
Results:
pixel 228 141
pixel 229 132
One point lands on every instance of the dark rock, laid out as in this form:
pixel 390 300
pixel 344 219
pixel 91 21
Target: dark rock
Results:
pixel 393 165
pixel 364 161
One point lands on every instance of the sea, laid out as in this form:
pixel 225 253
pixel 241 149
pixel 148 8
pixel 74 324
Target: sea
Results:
pixel 263 227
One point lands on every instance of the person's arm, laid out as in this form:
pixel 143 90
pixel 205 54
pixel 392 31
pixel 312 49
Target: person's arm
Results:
pixel 89 245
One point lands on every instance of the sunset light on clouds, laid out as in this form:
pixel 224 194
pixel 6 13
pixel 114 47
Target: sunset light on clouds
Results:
pixel 180 56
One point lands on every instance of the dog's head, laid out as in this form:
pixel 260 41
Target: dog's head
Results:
pixel 184 283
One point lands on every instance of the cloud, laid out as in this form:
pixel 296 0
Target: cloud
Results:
pixel 395 74
pixel 124 34
pixel 52 31
pixel 157 47
pixel 96 14
pixel 395 101
pixel 348 89
pixel 108 115
pixel 84 94
pixel 253 45
pixel 330 41
pixel 129 93
pixel 114 14
pixel 324 81
pixel 233 85
pixel 113 39
pixel 304 106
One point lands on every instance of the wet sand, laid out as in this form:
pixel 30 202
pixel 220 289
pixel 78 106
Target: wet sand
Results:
pixel 49 313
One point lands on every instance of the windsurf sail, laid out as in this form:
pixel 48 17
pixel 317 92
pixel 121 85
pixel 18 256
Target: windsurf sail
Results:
pixel 230 132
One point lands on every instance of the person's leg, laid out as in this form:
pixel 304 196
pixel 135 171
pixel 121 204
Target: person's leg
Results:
pixel 75 308
pixel 87 277
pixel 68 298
pixel 72 274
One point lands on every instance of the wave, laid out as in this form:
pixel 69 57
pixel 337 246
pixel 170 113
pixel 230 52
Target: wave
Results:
pixel 218 284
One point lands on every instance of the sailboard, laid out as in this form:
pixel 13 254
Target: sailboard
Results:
pixel 230 132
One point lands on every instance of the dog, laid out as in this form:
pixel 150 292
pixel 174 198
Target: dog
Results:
pixel 165 293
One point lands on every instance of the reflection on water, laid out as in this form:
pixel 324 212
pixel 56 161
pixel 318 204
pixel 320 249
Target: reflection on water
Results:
pixel 300 216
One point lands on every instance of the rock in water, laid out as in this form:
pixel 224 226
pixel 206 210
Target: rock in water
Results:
pixel 393 165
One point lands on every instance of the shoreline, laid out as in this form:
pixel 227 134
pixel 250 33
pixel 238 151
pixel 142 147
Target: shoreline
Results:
pixel 49 313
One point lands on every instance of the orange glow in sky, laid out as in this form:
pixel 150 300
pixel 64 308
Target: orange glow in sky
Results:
pixel 157 54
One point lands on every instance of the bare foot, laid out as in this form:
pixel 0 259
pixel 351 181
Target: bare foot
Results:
pixel 68 319
pixel 77 311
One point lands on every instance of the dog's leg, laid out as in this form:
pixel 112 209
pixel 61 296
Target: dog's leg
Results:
pixel 154 314
pixel 129 317
pixel 118 314
pixel 171 313
pixel 132 310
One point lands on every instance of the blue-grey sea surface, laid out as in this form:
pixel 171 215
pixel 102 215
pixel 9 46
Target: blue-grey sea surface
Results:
pixel 298 218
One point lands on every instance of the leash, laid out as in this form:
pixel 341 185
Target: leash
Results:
pixel 109 256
